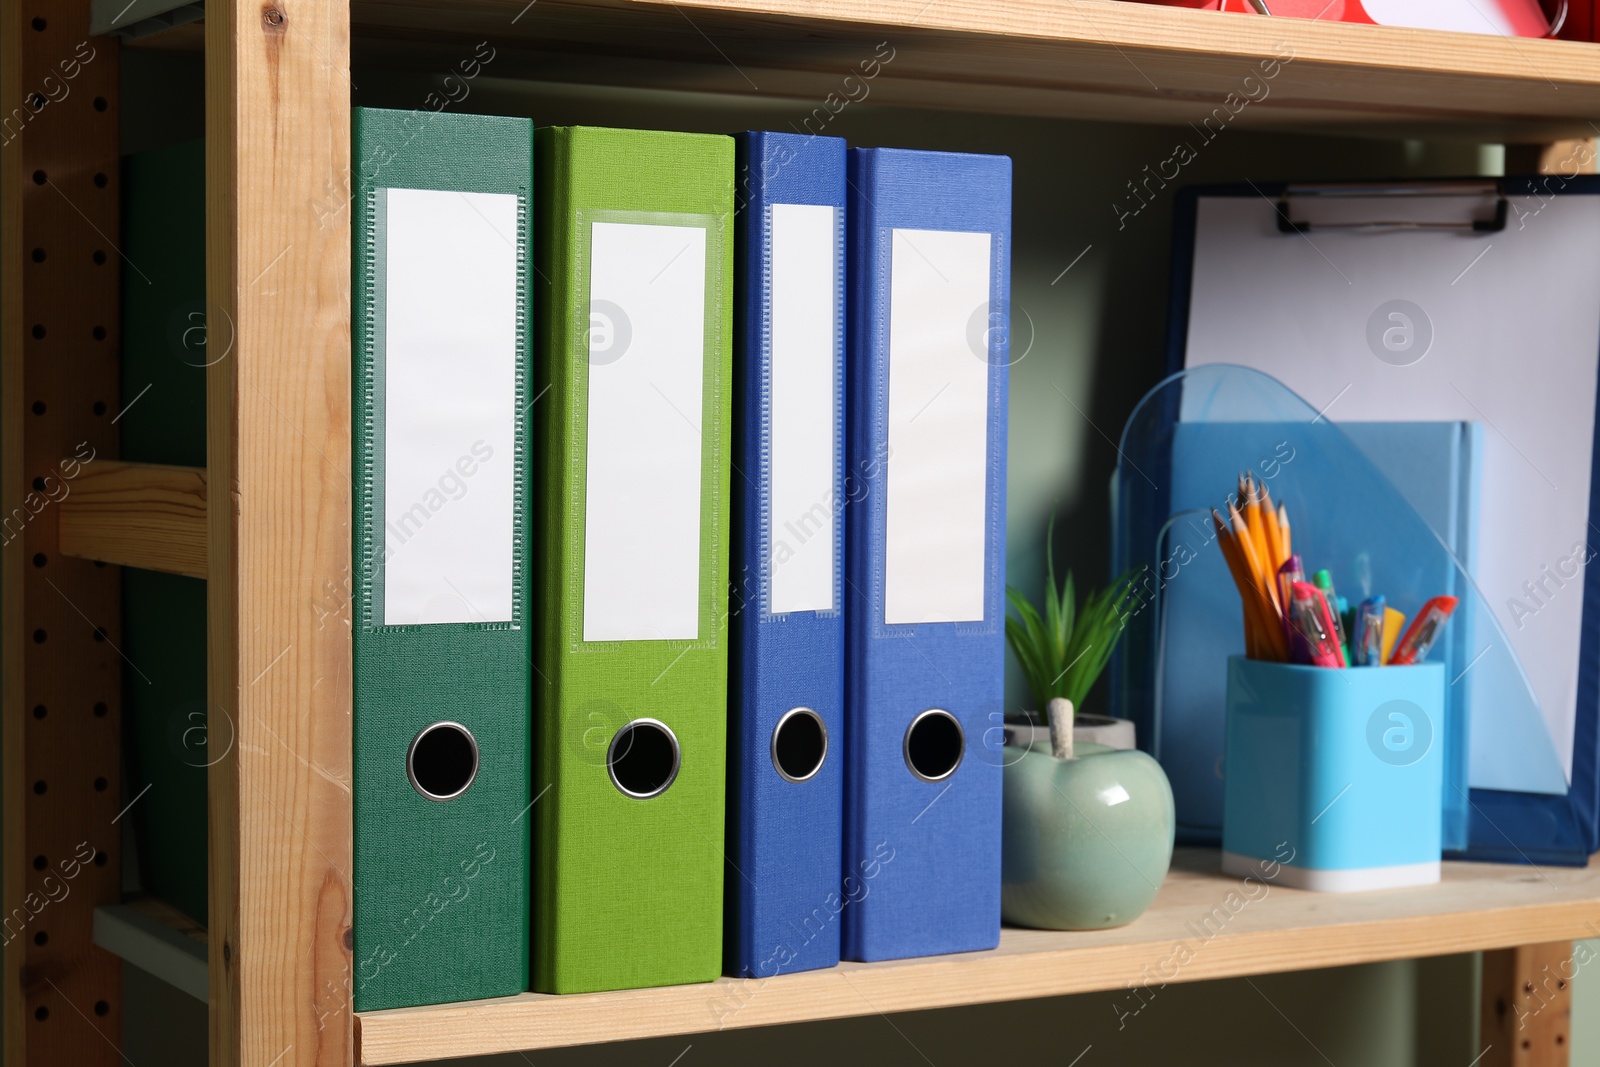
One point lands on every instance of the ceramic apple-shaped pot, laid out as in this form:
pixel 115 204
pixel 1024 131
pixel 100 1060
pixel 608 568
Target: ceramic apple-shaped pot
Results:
pixel 1086 840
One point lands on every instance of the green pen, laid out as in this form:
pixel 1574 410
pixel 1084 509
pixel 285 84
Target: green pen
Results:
pixel 1324 582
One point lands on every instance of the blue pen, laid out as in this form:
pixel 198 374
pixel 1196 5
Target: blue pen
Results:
pixel 1367 648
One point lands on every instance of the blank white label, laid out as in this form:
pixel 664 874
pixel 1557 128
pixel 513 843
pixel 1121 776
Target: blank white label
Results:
pixel 449 271
pixel 641 563
pixel 937 519
pixel 804 353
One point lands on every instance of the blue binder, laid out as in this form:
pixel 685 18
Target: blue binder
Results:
pixel 925 531
pixel 786 692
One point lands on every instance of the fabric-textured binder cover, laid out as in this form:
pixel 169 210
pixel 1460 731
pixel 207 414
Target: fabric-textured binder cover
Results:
pixel 442 537
pixel 786 678
pixel 925 528
pixel 635 263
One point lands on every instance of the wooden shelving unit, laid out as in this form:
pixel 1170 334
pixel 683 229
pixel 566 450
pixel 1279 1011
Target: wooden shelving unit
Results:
pixel 158 939
pixel 1204 924
pixel 1097 59
pixel 267 523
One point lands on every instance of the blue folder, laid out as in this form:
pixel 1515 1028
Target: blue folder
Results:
pixel 786 692
pixel 925 535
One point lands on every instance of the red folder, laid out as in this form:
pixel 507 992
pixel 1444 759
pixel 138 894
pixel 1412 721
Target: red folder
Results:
pixel 1517 18
pixel 1580 21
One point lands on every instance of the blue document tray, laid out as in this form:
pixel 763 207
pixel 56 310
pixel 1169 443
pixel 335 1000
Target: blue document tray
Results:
pixel 1181 453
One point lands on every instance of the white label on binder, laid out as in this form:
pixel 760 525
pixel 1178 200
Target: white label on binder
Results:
pixel 647 301
pixel 801 507
pixel 938 458
pixel 449 374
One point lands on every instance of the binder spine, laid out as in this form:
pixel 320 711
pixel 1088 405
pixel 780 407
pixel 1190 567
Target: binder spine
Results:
pixel 627 881
pixel 863 431
pixel 922 850
pixel 442 708
pixel 784 837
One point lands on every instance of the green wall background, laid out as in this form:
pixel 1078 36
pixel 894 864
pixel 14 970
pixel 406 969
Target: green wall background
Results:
pixel 1096 345
pixel 1586 1011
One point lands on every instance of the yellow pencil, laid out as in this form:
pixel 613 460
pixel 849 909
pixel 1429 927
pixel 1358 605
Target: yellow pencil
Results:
pixel 1250 508
pixel 1254 555
pixel 1269 521
pixel 1248 600
pixel 1241 500
pixel 1270 641
pixel 1258 532
pixel 1283 531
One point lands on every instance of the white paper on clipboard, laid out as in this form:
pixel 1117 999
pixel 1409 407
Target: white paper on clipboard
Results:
pixel 1511 322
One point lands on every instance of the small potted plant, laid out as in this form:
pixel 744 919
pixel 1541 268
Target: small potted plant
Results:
pixel 1064 652
pixel 1088 829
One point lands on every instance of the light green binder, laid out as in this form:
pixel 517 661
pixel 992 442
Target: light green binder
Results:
pixel 635 259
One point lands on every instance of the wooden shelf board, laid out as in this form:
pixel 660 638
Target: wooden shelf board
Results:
pixel 137 515
pixel 1203 925
pixel 1106 60
pixel 158 939
pixel 1097 59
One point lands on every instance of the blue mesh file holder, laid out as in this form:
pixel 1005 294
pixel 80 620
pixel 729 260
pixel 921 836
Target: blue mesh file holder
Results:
pixel 1181 452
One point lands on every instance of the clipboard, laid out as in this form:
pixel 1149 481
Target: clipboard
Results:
pixel 1476 301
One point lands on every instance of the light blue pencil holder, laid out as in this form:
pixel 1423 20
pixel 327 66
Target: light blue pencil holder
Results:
pixel 1332 777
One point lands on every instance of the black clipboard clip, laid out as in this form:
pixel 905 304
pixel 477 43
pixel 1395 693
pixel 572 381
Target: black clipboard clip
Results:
pixel 1483 190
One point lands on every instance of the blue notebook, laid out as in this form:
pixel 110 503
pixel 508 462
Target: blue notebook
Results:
pixel 925 532
pixel 786 691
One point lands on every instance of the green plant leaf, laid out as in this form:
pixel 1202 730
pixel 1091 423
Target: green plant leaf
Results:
pixel 1017 638
pixel 1065 650
pixel 1069 618
pixel 1025 632
pixel 1052 618
pixel 1058 608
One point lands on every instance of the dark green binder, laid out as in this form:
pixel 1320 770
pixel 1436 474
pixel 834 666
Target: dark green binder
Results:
pixel 162 418
pixel 442 592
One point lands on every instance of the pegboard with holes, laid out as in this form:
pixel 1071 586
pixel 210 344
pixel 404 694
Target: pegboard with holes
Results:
pixel 1525 1016
pixel 60 271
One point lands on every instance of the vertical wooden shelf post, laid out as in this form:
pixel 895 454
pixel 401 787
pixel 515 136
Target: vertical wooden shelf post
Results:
pixel 278 457
pixel 1525 1018
pixel 61 619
